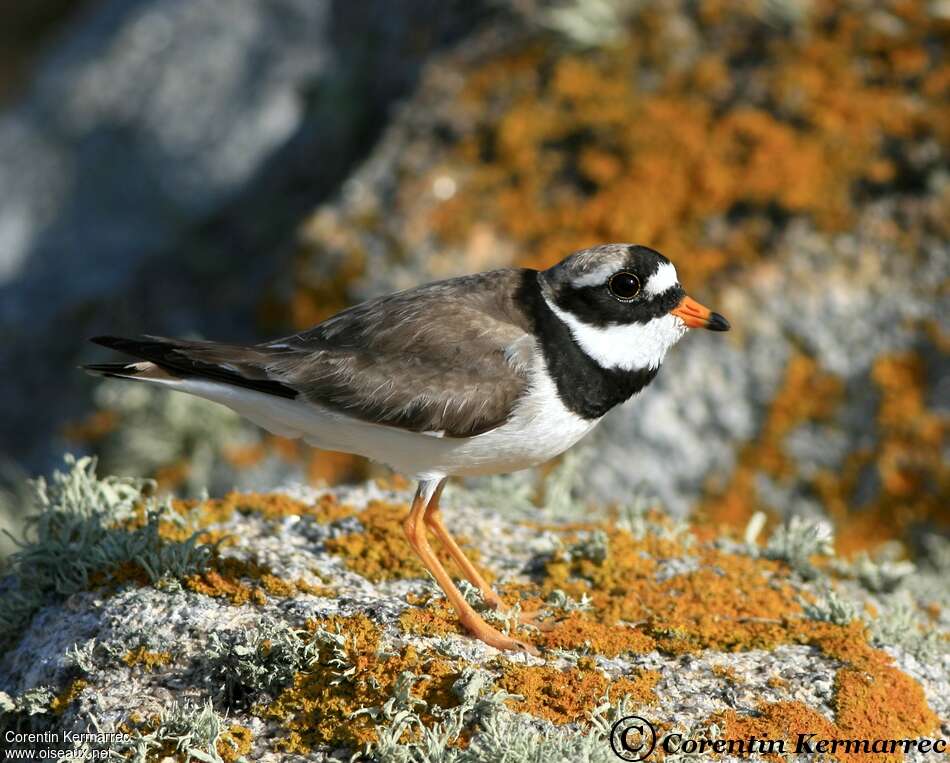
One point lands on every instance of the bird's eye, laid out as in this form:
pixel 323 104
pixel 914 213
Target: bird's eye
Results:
pixel 623 285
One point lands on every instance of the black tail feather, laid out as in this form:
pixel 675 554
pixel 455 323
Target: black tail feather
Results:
pixel 178 357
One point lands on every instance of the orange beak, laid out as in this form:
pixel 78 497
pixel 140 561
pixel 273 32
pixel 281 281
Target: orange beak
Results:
pixel 696 316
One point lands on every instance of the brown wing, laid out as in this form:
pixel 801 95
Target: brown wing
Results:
pixel 450 357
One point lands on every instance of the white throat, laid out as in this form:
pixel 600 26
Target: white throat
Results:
pixel 626 347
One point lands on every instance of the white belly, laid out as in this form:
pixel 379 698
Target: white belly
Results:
pixel 539 429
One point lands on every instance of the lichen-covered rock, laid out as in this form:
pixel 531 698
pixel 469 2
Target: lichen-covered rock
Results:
pixel 792 168
pixel 305 630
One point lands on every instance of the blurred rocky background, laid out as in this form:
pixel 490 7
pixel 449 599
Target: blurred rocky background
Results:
pixel 238 170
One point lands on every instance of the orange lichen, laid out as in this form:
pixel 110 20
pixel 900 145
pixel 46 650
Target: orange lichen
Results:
pixel 241 581
pixel 914 484
pixel 272 506
pixel 314 590
pixel 380 550
pixel 872 698
pixel 578 631
pixel 235 743
pixel 774 721
pixel 807 393
pixel 729 602
pixel 318 709
pixel 147 659
pixel 93 428
pixel 914 478
pixel 437 618
pixel 726 673
pixel 566 696
pixel 65 698
pixel 321 466
pixel 883 706
pixel 562 149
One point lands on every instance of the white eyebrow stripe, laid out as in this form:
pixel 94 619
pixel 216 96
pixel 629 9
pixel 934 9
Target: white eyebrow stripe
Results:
pixel 662 280
pixel 596 277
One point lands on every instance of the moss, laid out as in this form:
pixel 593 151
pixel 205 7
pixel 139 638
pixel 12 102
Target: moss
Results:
pixel 567 696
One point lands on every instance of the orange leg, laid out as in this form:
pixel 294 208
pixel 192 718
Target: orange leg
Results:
pixel 433 518
pixel 415 528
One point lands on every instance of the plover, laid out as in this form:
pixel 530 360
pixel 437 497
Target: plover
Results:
pixel 480 374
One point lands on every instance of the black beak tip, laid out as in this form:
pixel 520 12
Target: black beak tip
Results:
pixel 717 322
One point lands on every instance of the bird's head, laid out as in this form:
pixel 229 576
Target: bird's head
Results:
pixel 624 304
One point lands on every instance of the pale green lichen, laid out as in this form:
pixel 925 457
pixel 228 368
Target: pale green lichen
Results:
pixel 901 625
pixel 797 541
pixel 244 664
pixel 880 575
pixel 434 742
pixel 83 658
pixel 593 546
pixel 526 493
pixel 84 528
pixel 831 607
pixel 34 701
pixel 190 730
pixel 497 733
pixel 558 599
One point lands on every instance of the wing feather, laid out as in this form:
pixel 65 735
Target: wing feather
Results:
pixel 450 355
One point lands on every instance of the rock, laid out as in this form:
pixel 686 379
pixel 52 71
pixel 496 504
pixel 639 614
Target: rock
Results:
pixel 517 148
pixel 311 633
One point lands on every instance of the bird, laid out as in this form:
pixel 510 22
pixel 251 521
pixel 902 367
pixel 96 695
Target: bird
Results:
pixel 479 374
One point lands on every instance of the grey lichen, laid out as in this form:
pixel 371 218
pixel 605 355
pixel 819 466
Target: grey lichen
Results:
pixel 831 607
pixel 84 526
pixel 901 625
pixel 192 730
pixel 558 599
pixel 593 547
pixel 879 575
pixel 245 664
pixel 31 702
pixel 498 733
pixel 160 427
pixel 797 541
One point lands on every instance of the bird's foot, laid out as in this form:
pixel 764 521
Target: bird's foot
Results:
pixel 493 637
